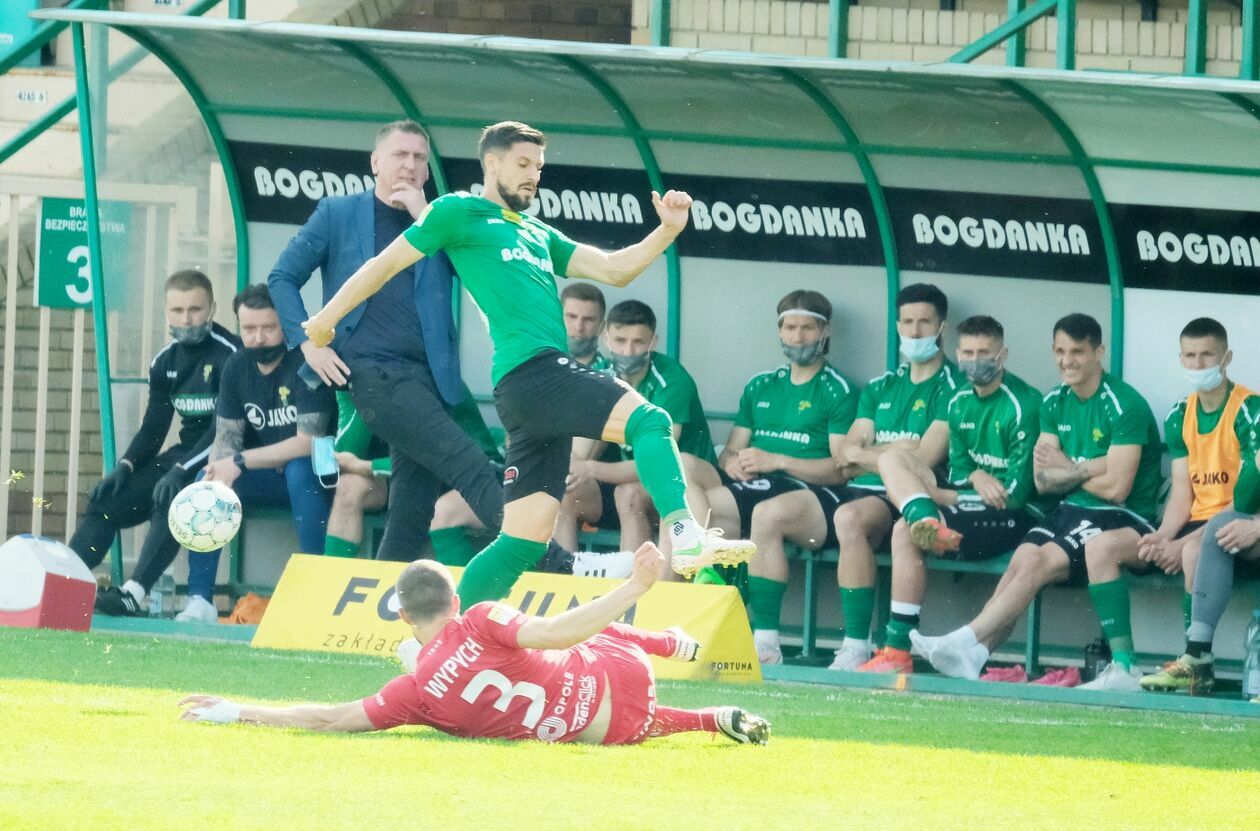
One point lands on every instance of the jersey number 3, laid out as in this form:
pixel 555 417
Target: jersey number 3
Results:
pixel 508 691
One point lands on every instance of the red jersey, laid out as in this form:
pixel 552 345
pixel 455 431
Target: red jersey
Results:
pixel 474 680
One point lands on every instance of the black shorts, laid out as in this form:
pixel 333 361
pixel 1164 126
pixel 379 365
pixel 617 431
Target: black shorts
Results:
pixel 543 404
pixel 609 519
pixel 755 491
pixel 1189 528
pixel 987 532
pixel 1071 526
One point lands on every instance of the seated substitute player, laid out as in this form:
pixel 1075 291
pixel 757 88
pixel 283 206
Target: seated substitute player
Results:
pixel 989 503
pixel 784 484
pixel 1209 435
pixel 364 466
pixel 264 422
pixel 508 262
pixel 903 410
pixel 630 335
pixel 493 672
pixel 183 379
pixel 1100 449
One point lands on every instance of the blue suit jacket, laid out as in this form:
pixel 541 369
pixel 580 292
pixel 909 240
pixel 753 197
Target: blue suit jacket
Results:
pixel 337 239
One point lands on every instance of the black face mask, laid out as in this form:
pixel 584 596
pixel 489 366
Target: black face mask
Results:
pixel 265 354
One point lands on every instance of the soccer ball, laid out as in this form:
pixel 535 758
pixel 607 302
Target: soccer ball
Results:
pixel 204 516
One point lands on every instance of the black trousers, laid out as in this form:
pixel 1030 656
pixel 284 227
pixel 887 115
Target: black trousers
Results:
pixel 106 516
pixel 430 453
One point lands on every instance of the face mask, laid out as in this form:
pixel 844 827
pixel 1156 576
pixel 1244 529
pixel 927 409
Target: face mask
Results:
pixel 191 335
pixel 582 347
pixel 806 353
pixel 981 371
pixel 920 350
pixel 627 365
pixel 1203 380
pixel 265 354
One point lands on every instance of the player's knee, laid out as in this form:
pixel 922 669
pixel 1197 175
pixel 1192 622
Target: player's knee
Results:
pixel 768 515
pixel 351 490
pixel 1105 549
pixel 647 420
pixel 891 461
pixel 631 497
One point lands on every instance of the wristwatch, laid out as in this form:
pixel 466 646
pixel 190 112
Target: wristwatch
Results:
pixel 239 460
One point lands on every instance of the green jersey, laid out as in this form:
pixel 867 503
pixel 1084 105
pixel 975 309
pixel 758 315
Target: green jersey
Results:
pixel 903 410
pixel 1116 414
pixel 601 364
pixel 1244 426
pixel 996 434
pixel 797 419
pixel 508 262
pixel 670 387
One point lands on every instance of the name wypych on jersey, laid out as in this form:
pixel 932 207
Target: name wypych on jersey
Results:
pixel 464 656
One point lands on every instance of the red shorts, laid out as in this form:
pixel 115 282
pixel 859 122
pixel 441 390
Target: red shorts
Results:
pixel 631 685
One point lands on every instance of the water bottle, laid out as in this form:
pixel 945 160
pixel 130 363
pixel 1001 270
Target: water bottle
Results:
pixel 1251 665
pixel 1097 656
pixel 162 598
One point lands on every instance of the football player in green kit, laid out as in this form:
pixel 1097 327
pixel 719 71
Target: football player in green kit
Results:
pixel 508 261
pixel 989 502
pixel 902 410
pixel 781 481
pixel 1100 449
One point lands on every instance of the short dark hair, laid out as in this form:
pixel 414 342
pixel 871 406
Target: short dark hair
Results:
pixel 982 326
pixel 188 279
pixel 252 297
pixel 924 293
pixel 632 313
pixel 424 590
pixel 500 137
pixel 587 293
pixel 405 125
pixel 1080 327
pixel 1206 327
pixel 807 299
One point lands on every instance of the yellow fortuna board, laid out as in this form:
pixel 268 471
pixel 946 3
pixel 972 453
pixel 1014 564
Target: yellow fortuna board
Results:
pixel 341 605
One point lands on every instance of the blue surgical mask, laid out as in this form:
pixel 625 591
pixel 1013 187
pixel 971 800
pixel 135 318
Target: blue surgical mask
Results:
pixel 1205 379
pixel 920 350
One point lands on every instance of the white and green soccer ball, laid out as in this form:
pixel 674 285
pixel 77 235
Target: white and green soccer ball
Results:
pixel 204 516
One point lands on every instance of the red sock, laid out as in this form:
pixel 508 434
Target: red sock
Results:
pixel 653 643
pixel 668 720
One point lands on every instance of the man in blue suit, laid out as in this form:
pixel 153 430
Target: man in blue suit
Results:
pixel 398 351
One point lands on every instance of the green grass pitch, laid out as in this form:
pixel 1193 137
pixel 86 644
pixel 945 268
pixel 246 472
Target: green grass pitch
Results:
pixel 92 740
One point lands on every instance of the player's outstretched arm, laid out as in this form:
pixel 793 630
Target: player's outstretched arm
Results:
pixel 364 283
pixel 332 718
pixel 581 622
pixel 618 268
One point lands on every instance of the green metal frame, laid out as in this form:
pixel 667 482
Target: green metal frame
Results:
pixel 1111 249
pixel 1065 49
pixel 673 266
pixel 1015 24
pixel 96 263
pixel 659 23
pixel 1196 38
pixel 44 33
pixel 1249 69
pixel 879 204
pixel 1017 44
pixel 838 28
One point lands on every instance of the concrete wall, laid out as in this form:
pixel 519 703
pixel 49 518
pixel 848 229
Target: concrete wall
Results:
pixel 595 21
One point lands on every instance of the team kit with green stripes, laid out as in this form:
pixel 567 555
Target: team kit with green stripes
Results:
pixel 508 261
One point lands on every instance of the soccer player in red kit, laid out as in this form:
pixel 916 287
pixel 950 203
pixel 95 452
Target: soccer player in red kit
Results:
pixel 496 673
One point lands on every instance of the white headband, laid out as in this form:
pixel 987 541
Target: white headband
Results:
pixel 805 312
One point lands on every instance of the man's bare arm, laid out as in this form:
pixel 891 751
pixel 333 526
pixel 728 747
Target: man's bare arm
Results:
pixel 229 438
pixel 618 268
pixel 349 717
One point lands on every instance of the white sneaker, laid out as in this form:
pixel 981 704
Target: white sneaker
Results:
pixel 850 657
pixel 198 610
pixel 409 652
pixel 686 648
pixel 767 646
pixel 712 549
pixel 948 657
pixel 616 565
pixel 1115 678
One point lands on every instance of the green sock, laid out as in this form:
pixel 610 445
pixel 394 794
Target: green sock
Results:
pixel 1187 603
pixel 1111 601
pixel 492 573
pixel 920 507
pixel 766 598
pixel 897 634
pixel 708 576
pixel 337 547
pixel 858 605
pixel 649 432
pixel 451 546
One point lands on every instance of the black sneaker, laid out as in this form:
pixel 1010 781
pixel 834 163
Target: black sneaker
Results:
pixel 115 602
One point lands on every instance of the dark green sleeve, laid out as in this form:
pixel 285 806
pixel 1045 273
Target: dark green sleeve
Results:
pixel 439 226
pixel 744 417
pixel 561 248
pixel 1173 438
pixel 843 412
pixel 868 403
pixel 961 465
pixel 676 399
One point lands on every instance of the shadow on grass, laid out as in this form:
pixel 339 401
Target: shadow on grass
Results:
pixel 796 710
